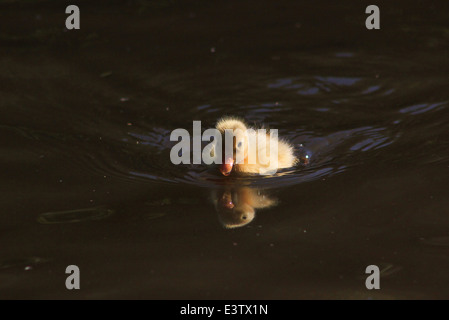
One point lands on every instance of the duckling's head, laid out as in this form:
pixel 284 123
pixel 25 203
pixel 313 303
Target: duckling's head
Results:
pixel 232 211
pixel 240 142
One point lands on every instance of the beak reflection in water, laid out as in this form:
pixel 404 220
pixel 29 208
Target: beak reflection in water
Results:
pixel 236 206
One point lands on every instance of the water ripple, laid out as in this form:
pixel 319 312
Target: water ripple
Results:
pixel 423 107
pixel 328 121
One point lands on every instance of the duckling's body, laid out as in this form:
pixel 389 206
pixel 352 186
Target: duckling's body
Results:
pixel 243 134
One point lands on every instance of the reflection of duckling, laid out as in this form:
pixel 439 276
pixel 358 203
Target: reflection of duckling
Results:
pixel 236 207
pixel 286 158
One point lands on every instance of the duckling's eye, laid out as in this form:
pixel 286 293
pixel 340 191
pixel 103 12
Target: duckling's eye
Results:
pixel 244 217
pixel 240 144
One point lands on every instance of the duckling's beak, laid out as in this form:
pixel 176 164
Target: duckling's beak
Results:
pixel 226 166
pixel 226 200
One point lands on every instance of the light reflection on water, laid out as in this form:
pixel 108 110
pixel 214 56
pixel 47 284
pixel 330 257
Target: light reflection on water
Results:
pixel 423 107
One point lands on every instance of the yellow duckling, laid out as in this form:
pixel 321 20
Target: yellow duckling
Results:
pixel 236 206
pixel 243 135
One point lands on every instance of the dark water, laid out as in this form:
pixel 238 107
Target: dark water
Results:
pixel 85 149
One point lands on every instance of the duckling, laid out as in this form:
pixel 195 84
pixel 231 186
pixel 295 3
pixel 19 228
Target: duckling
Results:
pixel 243 135
pixel 236 206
